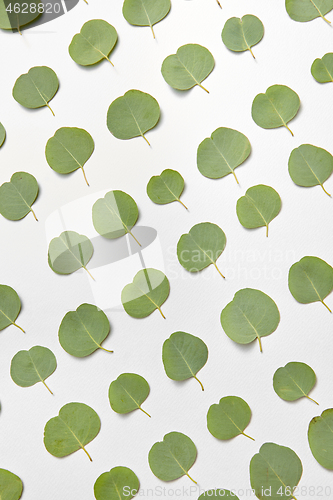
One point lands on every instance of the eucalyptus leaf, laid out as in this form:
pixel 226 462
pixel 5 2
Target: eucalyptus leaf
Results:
pixel 146 12
pixel 69 252
pixel 17 196
pixel 310 280
pixel 10 306
pixel 306 10
pixel 322 69
pixel 128 392
pixel 218 493
pixel 276 107
pixel 166 188
pixel 229 418
pixel 117 484
pixel 260 205
pixel 69 149
pixel 29 367
pixel 201 246
pixel 320 435
pixel 132 115
pixel 310 166
pixel 148 291
pixel 222 152
pixel 36 88
pixel 251 315
pixel 11 486
pixel 190 66
pixel 95 41
pixel 14 15
pixel 294 381
pixel 239 35
pixel 173 457
pixel 183 356
pixel 275 470
pixel 2 134
pixel 82 331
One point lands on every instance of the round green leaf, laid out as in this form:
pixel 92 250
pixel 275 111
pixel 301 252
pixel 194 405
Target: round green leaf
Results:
pixel 294 381
pixel 29 367
pixel 218 493
pixel 190 66
pixel 10 306
pixel 222 152
pixel 229 418
pixel 36 88
pixel 145 12
pixel 166 188
pixel 173 457
pixel 2 134
pixel 76 425
pixel 276 107
pixel 306 10
pixel 201 246
pixel 260 205
pixel 17 196
pixel 95 41
pixel 82 331
pixel 128 392
pixel 11 486
pixel 148 291
pixel 320 435
pixel 242 34
pixel 183 356
pixel 117 484
pixel 251 315
pixel 322 69
pixel 69 252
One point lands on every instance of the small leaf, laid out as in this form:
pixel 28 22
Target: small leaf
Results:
pixel 95 41
pixel 242 34
pixel 36 88
pixel 10 306
pixel 276 107
pixel 229 418
pixel 132 115
pixel 69 252
pixel 183 356
pixel 306 10
pixel 148 291
pixel 294 381
pixel 277 470
pixel 260 205
pixel 221 153
pixel 201 247
pixel 320 435
pixel 145 12
pixel 310 280
pixel 128 392
pixel 82 331
pixel 76 425
pixel 69 149
pixel 251 315
pixel 29 367
pixel 117 484
pixel 310 166
pixel 2 134
pixel 322 69
pixel 173 457
pixel 17 196
pixel 218 493
pixel 11 486
pixel 166 188
pixel 26 12
pixel 190 66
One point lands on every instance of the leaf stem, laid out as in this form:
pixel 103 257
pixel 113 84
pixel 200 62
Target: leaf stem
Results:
pixel 152 29
pixel 328 194
pixel 202 387
pixel 83 448
pixel 47 387
pixel 182 203
pixel 134 238
pixel 47 104
pixel 326 306
pixel 17 326
pixel 106 57
pixel 219 3
pixel 235 177
pixel 266 230
pixel 191 478
pixel 288 129
pixel 84 267
pixel 260 345
pixel 107 350
pixel 84 175
pixel 33 213
pixel 144 412
pixel 142 135
pixel 86 2
pixel 161 312
pixel 311 399
pixel 323 17
pixel 251 53
pixel 203 88
pixel 218 270
pixel 248 436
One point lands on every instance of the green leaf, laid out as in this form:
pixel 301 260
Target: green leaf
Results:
pixel 128 392
pixel 76 425
pixel 115 215
pixel 132 115
pixel 69 149
pixel 201 247
pixel 166 188
pixel 242 34
pixel 69 252
pixel 11 486
pixel 306 10
pixel 183 356
pixel 29 367
pixel 276 470
pixel 251 315
pixel 117 484
pixel 95 41
pixel 229 418
pixel 276 107
pixel 322 69
pixel 36 88
pixel 145 12
pixel 222 152
pixel 260 205
pixel 148 291
pixel 310 280
pixel 320 435
pixel 25 13
pixel 310 166
pixel 173 457
pixel 294 381
pixel 10 306
pixel 2 134
pixel 218 493
pixel 17 196
pixel 190 66
pixel 82 331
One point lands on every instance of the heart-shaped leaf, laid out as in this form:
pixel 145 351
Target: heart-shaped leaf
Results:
pixel 29 367
pixel 2 134
pixel 229 418
pixel 17 196
pixel 128 392
pixel 145 12
pixel 322 69
pixel 190 66
pixel 166 188
pixel 18 14
pixel 119 483
pixel 10 306
pixel 276 107
pixel 320 435
pixel 218 493
pixel 294 381
pixel 95 41
pixel 36 88
pixel 242 34
pixel 69 252
pixel 11 486
pixel 306 10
